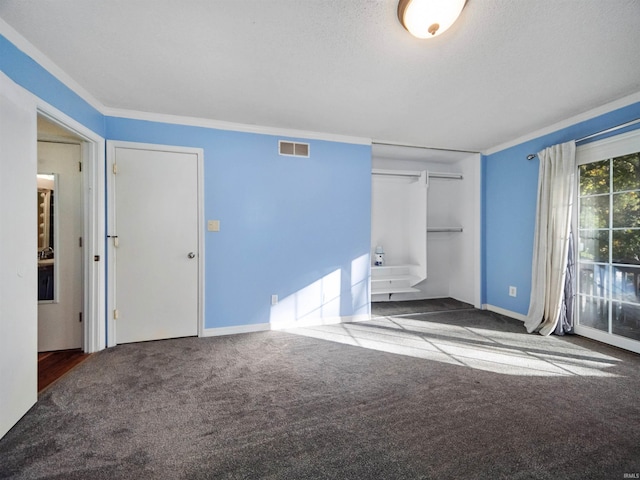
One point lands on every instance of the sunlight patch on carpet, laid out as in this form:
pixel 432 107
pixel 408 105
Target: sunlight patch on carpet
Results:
pixel 502 352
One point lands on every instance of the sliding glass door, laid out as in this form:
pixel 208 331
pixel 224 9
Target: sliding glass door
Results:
pixel 608 241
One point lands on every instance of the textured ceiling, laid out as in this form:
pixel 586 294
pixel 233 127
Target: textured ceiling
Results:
pixel 505 69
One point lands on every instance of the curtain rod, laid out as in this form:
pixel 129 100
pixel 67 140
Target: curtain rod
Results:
pixel 531 156
pixel 389 144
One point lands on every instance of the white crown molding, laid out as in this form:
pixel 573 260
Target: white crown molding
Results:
pixel 231 126
pixel 30 50
pixel 588 115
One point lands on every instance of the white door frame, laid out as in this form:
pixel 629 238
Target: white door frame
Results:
pixel 93 191
pixel 610 147
pixel 111 288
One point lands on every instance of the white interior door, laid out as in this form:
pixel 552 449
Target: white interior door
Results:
pixel 18 246
pixel 59 326
pixel 157 254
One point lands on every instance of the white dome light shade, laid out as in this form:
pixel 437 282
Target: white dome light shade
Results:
pixel 429 18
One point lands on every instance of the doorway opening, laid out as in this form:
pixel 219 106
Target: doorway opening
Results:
pixel 70 244
pixel 60 215
pixel 60 218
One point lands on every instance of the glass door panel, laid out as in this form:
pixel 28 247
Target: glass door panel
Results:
pixel 608 290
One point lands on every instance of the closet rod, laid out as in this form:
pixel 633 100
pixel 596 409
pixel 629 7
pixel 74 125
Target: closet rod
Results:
pixel 389 144
pixel 397 174
pixel 531 156
pixel 444 229
pixel 455 176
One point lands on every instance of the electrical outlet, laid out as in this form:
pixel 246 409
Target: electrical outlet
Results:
pixel 274 299
pixel 513 291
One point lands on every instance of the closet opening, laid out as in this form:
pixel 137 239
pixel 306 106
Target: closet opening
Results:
pixel 425 230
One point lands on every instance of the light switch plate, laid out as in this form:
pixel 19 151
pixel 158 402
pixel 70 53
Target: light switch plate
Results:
pixel 213 225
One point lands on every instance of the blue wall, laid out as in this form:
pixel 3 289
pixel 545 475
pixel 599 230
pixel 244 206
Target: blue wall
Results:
pixel 510 184
pixel 285 222
pixel 23 70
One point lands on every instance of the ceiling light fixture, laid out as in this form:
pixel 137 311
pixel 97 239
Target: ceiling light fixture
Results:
pixel 429 18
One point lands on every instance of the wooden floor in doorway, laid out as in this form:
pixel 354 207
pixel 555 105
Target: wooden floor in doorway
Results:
pixel 53 365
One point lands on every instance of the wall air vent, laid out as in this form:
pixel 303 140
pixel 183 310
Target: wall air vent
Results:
pixel 293 149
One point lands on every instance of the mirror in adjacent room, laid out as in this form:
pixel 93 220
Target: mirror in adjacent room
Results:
pixel 47 184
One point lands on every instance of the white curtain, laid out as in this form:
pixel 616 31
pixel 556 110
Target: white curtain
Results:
pixel 556 184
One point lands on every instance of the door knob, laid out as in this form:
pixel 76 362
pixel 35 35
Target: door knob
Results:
pixel 191 255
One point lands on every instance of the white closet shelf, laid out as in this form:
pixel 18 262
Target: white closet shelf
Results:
pixel 394 266
pixel 388 279
pixel 399 276
pixel 389 290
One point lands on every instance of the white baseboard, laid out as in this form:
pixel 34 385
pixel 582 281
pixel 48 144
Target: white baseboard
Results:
pixel 263 327
pixel 216 332
pixel 315 322
pixel 505 312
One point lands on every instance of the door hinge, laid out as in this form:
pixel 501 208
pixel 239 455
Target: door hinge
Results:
pixel 80 242
pixel 79 166
pixel 80 317
pixel 115 168
pixel 96 258
pixel 115 314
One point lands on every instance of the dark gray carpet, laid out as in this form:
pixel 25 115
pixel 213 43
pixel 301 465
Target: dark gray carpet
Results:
pixel 467 395
pixel 406 307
